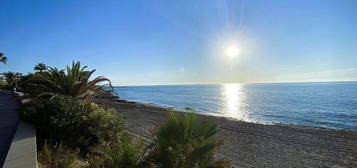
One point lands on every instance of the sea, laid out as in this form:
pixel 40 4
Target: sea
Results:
pixel 318 104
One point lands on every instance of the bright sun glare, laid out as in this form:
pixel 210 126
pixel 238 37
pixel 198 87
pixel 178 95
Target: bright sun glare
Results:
pixel 232 51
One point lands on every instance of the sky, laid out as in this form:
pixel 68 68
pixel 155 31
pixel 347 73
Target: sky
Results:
pixel 147 42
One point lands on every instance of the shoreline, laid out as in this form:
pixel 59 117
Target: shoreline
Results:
pixel 249 144
pixel 191 110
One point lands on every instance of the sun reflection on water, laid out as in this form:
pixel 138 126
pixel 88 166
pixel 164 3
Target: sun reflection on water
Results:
pixel 234 105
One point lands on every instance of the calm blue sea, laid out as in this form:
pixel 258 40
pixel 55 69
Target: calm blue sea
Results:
pixel 325 104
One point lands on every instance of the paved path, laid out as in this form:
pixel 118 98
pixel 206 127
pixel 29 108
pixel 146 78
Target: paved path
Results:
pixel 8 122
pixel 22 152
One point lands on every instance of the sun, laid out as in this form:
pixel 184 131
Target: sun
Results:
pixel 232 51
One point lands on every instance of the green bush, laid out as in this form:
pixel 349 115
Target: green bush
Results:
pixel 3 85
pixel 106 124
pixel 76 123
pixel 123 152
pixel 6 85
pixel 57 156
pixel 96 161
pixel 184 141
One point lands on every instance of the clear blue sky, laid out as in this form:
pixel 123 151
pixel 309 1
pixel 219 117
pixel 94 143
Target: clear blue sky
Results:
pixel 139 42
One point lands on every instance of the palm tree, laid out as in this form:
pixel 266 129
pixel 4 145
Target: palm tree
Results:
pixel 40 67
pixel 184 141
pixel 73 81
pixel 3 59
pixel 11 78
pixel 123 152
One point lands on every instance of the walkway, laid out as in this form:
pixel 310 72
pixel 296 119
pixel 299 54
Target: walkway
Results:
pixel 23 151
pixel 8 123
pixel 17 139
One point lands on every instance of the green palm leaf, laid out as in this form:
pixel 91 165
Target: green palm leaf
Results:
pixel 185 141
pixel 3 59
pixel 74 81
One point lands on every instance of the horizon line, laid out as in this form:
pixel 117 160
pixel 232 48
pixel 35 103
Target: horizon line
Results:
pixel 178 84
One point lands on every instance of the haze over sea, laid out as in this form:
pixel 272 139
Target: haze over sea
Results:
pixel 324 104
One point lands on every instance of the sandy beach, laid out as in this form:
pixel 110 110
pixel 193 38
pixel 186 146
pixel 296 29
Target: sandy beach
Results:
pixel 258 145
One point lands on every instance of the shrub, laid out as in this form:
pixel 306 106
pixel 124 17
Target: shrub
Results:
pixel 106 124
pixel 184 141
pixel 124 152
pixel 57 156
pixel 3 85
pixel 96 161
pixel 77 123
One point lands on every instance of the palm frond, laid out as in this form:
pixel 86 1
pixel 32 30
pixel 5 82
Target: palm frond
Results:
pixel 73 81
pixel 3 59
pixel 186 141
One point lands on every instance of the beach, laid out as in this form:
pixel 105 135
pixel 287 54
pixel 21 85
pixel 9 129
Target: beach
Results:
pixel 258 145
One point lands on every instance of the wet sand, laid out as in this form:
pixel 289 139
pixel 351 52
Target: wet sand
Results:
pixel 259 145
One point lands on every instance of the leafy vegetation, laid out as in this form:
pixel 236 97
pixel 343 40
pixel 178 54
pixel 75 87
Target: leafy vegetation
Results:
pixel 73 81
pixel 124 152
pixel 76 123
pixel 3 59
pixel 10 79
pixel 40 67
pixel 11 76
pixel 184 141
pixel 3 84
pixel 57 156
pixel 63 111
